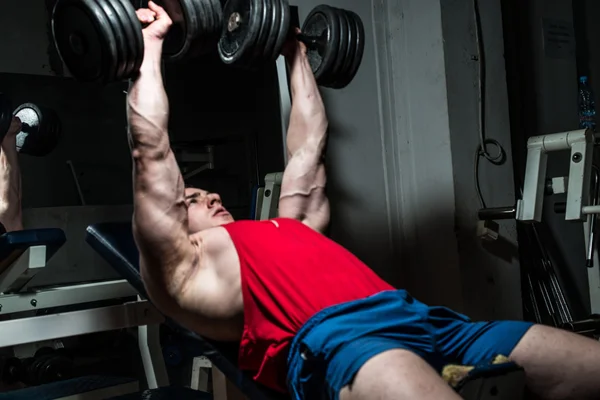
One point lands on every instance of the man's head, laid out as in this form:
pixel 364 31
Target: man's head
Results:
pixel 205 210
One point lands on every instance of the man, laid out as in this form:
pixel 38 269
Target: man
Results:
pixel 10 181
pixel 281 287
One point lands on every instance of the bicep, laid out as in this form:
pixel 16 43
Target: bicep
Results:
pixel 303 195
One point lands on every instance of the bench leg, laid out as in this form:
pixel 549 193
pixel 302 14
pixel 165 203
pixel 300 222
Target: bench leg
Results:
pixel 223 389
pixel 152 357
pixel 200 369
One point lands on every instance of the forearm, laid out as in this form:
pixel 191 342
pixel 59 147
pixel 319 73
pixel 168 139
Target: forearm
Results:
pixel 308 120
pixel 10 186
pixel 303 188
pixel 160 219
pixel 148 108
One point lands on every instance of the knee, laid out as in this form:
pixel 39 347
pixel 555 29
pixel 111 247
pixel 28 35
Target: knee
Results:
pixel 559 364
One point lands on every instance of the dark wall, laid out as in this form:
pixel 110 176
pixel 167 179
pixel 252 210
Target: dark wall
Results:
pixel 210 104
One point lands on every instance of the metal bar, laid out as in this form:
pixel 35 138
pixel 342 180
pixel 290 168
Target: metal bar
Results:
pixel 76 180
pixel 48 327
pixel 578 193
pixel 529 209
pixel 497 213
pixel 106 393
pixel 19 273
pixel 65 295
pixel 589 259
pixel 196 171
pixel 152 356
pixel 556 290
pixel 285 102
pixel 270 202
pixel 591 210
pixel 199 379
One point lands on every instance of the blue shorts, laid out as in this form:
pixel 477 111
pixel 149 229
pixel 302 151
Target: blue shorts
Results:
pixel 333 345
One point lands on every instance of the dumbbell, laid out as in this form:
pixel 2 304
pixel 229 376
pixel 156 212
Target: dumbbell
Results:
pixel 254 33
pixel 101 40
pixel 10 370
pixel 46 366
pixel 40 127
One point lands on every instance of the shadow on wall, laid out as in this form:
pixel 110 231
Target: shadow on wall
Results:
pixel 355 185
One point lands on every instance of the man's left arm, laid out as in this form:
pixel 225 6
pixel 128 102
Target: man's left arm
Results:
pixel 10 180
pixel 303 194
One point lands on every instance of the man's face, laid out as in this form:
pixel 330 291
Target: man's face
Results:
pixel 205 210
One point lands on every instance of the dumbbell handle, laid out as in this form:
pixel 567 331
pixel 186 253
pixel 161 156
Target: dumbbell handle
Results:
pixel 312 42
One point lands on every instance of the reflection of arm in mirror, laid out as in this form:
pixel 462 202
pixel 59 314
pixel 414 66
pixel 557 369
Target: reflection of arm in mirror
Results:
pixel 167 255
pixel 10 180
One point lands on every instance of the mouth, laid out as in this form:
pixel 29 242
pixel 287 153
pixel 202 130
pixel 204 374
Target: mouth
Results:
pixel 220 212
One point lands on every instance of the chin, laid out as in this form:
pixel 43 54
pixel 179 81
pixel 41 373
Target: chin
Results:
pixel 224 220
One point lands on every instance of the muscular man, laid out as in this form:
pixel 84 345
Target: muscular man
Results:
pixel 10 180
pixel 310 317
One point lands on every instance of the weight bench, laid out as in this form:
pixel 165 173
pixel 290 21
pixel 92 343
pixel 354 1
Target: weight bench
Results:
pixel 24 253
pixel 115 243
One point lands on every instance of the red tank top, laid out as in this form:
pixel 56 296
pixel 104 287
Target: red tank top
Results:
pixel 289 273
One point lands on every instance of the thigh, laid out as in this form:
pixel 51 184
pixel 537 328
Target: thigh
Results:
pixel 461 341
pixel 559 364
pixel 395 375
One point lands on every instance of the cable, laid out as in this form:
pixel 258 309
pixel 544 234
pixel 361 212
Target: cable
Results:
pixel 482 148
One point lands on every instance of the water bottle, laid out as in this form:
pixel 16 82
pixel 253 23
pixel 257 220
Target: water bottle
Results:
pixel 587 105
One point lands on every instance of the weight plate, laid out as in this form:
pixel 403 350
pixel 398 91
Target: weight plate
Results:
pixel 259 47
pixel 40 132
pixel 211 25
pixel 240 29
pixel 121 46
pixel 330 76
pixel 350 51
pixel 127 37
pixel 209 22
pixel 323 23
pixel 137 40
pixel 5 115
pixel 84 40
pixel 284 27
pixel 42 351
pixel 200 11
pixel 269 52
pixel 177 41
pixel 359 48
pixel 215 32
pixel 12 370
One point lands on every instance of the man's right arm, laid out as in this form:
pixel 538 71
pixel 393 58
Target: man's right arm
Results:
pixel 169 258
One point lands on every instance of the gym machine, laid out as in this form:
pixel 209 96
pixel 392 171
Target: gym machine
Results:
pixel 582 187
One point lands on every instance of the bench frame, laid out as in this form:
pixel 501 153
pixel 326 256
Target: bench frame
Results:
pixel 19 328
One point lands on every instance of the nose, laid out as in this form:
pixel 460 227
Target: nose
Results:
pixel 213 199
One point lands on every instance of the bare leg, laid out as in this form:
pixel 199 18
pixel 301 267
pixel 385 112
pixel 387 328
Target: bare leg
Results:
pixel 559 364
pixel 396 375
pixel 10 180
